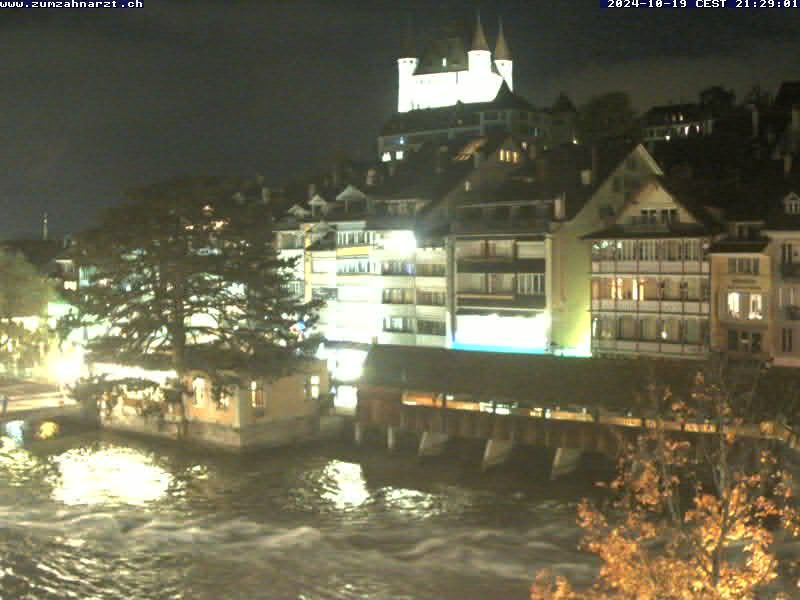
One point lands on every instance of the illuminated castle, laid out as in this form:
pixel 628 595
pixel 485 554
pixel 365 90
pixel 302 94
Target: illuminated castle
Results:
pixel 447 73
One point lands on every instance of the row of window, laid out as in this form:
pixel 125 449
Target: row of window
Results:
pixel 201 394
pixel 525 284
pixel 671 330
pixel 745 305
pixel 743 266
pixel 412 325
pixel 650 289
pixel 354 238
pixel 667 250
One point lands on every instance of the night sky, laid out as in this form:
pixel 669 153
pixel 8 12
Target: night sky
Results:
pixel 96 102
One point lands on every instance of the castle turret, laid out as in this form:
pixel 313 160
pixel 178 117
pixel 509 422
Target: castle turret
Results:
pixel 406 66
pixel 479 56
pixel 502 57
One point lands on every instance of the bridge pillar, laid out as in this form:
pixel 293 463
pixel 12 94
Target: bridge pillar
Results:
pixel 565 462
pixel 496 452
pixel 358 434
pixel 432 444
pixel 391 438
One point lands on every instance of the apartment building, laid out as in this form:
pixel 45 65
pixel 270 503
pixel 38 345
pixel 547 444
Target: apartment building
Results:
pixel 651 275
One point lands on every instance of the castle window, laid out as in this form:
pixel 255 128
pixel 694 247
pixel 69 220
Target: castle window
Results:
pixel 444 62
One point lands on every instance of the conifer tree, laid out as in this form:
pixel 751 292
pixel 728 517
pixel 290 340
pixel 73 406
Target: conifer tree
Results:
pixel 184 275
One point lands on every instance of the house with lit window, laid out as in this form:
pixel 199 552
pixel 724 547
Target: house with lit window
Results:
pixel 782 228
pixel 651 274
pixel 676 121
pixel 519 264
pixel 264 412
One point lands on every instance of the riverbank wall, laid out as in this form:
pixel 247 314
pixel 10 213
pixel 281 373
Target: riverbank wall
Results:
pixel 275 433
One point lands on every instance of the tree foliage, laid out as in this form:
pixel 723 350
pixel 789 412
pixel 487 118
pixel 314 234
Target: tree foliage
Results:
pixel 185 276
pixel 686 520
pixel 24 293
pixel 607 116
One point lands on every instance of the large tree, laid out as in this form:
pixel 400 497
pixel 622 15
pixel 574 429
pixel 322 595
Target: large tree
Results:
pixel 184 275
pixel 607 116
pixel 24 296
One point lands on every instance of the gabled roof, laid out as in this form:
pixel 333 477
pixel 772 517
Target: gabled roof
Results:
pixel 563 104
pixel 683 194
pixel 788 96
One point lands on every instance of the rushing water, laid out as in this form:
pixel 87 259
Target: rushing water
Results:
pixel 87 515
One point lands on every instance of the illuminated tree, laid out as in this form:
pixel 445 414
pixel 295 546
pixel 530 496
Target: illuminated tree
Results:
pixel 24 295
pixel 686 520
pixel 185 276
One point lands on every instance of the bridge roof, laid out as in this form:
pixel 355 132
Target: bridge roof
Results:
pixel 637 384
pixel 531 380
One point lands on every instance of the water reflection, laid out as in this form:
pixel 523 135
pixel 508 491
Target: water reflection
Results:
pixel 109 475
pixel 344 484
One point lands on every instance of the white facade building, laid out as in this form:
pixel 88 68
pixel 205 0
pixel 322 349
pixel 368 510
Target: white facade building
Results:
pixel 447 74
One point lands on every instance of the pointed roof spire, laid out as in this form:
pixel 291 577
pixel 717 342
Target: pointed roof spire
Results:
pixel 501 50
pixel 479 38
pixel 408 48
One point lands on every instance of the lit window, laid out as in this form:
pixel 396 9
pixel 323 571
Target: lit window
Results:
pixel 312 388
pixel 387 156
pixel 756 308
pixel 733 305
pixel 257 398
pixel 199 389
pixel 71 285
pixel 467 186
pixel 399 155
pixel 444 61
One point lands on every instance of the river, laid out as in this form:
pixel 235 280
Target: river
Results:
pixel 89 515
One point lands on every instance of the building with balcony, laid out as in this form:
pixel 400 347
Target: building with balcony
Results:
pixel 519 264
pixel 651 275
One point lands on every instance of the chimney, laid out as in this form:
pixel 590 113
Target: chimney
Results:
pixel 312 190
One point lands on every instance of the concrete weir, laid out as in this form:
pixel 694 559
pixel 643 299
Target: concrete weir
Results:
pixel 496 453
pixel 432 444
pixel 565 462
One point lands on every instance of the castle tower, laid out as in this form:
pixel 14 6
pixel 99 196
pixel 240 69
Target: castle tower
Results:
pixel 406 67
pixel 479 56
pixel 502 57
